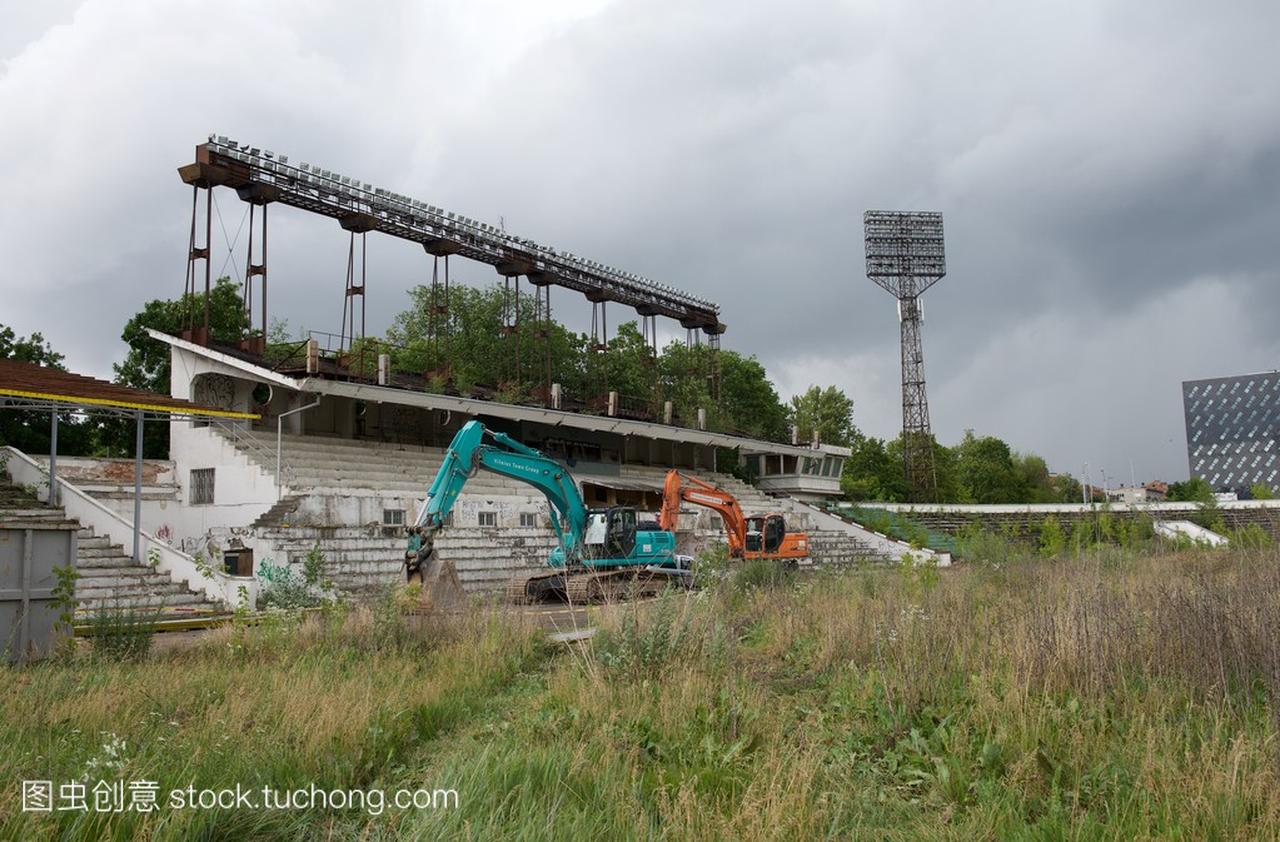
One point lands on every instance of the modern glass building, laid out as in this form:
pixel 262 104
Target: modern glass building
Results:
pixel 1232 429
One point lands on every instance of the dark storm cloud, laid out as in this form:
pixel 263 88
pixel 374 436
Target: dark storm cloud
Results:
pixel 1108 170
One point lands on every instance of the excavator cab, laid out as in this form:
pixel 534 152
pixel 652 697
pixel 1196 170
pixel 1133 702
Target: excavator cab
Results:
pixel 611 533
pixel 765 533
pixel 620 532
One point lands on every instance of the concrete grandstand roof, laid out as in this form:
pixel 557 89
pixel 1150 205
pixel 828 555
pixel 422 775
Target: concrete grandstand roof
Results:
pixel 554 417
pixel 494 409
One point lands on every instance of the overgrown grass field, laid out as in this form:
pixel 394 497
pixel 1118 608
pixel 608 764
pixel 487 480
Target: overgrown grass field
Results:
pixel 1124 697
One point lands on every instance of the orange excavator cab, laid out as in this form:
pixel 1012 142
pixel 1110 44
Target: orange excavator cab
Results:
pixel 767 537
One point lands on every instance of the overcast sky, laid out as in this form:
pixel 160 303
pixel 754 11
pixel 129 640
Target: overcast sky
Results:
pixel 1109 173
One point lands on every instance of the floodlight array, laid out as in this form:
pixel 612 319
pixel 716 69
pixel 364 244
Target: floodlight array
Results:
pixel 904 245
pixel 332 194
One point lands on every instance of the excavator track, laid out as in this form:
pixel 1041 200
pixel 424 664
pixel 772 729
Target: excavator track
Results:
pixel 589 587
pixel 616 585
pixel 527 589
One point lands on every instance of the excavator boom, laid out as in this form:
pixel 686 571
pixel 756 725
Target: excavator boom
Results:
pixel 679 488
pixel 468 452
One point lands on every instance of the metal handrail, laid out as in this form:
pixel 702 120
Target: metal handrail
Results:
pixel 260 452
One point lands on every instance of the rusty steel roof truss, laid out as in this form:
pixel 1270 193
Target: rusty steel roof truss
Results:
pixel 261 176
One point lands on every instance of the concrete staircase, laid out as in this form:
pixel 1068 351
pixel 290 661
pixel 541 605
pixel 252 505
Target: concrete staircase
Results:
pixel 831 548
pixel 278 515
pixel 108 576
pixel 365 561
pixel 320 464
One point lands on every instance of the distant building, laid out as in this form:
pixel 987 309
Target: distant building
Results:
pixel 1232 425
pixel 1149 493
pixel 1152 492
pixel 1095 493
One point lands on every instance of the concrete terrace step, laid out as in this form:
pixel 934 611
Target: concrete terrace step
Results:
pixel 337 481
pixel 140 593
pixel 113 561
pixel 188 603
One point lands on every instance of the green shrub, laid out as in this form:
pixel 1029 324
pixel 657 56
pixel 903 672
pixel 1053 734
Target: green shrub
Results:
pixel 64 598
pixel 282 588
pixel 1209 515
pixel 1250 537
pixel 977 544
pixel 646 649
pixel 1081 536
pixel 711 565
pixel 122 632
pixel 1053 542
pixel 919 573
pixel 762 573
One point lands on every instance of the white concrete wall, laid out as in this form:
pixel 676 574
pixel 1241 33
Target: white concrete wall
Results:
pixel 242 489
pixel 337 510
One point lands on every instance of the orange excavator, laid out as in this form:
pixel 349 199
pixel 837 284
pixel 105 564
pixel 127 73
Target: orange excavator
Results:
pixel 755 536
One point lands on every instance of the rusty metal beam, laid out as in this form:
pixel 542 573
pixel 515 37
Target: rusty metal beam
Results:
pixel 224 162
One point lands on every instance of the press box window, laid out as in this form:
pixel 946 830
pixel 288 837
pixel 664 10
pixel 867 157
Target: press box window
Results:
pixel 488 518
pixel 393 517
pixel 528 519
pixel 202 486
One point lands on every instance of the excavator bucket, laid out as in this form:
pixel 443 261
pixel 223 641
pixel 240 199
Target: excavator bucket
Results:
pixel 441 588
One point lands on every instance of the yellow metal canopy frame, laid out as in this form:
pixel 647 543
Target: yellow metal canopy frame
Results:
pixel 120 404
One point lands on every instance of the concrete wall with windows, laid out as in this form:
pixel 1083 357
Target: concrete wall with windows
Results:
pixel 810 478
pixel 242 490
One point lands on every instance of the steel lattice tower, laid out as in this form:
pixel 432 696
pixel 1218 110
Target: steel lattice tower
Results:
pixel 906 256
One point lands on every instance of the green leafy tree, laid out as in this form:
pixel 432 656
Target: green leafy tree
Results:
pixel 829 411
pixel 474 351
pixel 1261 491
pixel 28 349
pixel 986 470
pixel 146 364
pixel 29 430
pixel 1193 490
pixel 1066 488
pixel 749 399
pixel 471 349
pixel 631 371
pixel 872 473
pixel 1034 478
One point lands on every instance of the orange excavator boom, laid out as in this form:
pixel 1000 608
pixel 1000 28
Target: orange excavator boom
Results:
pixel 679 488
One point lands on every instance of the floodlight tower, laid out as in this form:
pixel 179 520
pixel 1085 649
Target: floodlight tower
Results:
pixel 906 256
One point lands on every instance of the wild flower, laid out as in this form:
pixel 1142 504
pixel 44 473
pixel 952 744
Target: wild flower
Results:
pixel 109 759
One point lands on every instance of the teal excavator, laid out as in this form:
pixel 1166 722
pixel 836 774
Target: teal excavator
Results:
pixel 603 553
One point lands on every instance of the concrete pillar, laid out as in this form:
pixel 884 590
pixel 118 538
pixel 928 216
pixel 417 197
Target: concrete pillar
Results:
pixel 293 423
pixel 344 421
